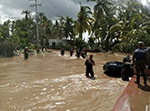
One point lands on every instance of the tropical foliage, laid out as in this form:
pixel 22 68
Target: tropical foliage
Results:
pixel 84 20
pixel 115 25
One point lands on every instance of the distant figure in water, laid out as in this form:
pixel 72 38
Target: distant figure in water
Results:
pixel 78 52
pixel 71 51
pixel 89 66
pixel 83 54
pixel 26 55
pixel 62 51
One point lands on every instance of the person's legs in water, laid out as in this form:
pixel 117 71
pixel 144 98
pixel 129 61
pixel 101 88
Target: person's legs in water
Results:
pixel 26 56
pixel 92 73
pixel 87 73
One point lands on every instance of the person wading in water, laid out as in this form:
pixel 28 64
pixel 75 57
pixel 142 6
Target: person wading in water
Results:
pixel 26 55
pixel 89 66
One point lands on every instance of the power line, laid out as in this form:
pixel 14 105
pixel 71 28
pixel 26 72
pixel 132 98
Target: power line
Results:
pixel 47 12
pixel 50 10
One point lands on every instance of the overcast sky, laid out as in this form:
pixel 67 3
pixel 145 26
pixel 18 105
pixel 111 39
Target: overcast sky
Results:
pixel 11 9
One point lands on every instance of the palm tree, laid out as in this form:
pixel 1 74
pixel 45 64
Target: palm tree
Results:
pixel 42 22
pixel 132 18
pixel 45 26
pixel 27 14
pixel 99 11
pixel 68 27
pixel 27 21
pixel 130 28
pixel 55 30
pixel 84 20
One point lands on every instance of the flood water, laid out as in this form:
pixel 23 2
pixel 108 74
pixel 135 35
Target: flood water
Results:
pixel 51 82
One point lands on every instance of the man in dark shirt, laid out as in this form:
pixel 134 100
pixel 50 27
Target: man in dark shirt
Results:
pixel 139 60
pixel 89 66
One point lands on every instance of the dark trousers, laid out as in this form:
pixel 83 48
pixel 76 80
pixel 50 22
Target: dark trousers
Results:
pixel 89 71
pixel 71 53
pixel 78 55
pixel 26 56
pixel 140 70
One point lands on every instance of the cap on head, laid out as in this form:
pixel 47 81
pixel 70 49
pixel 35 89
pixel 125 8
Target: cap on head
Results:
pixel 140 43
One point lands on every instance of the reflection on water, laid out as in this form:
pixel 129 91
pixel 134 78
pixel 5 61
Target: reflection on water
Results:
pixel 51 82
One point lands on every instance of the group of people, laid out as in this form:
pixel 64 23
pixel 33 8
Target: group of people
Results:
pixel 82 53
pixel 79 53
pixel 89 61
pixel 139 61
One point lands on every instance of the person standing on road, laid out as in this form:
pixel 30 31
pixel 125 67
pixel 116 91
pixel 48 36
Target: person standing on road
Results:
pixel 89 66
pixel 139 60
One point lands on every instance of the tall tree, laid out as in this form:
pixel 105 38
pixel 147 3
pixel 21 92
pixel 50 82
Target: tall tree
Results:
pixel 5 29
pixel 132 18
pixel 99 11
pixel 84 20
pixel 27 14
pixel 68 27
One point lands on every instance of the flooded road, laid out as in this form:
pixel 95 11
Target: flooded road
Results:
pixel 51 82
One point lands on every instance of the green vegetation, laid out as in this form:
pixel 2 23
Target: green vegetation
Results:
pixel 114 25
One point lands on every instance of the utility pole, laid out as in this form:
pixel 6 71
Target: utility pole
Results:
pixel 36 19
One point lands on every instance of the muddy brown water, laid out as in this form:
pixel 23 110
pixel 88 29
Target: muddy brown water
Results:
pixel 51 82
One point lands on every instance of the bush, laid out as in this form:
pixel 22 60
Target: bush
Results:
pixel 7 48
